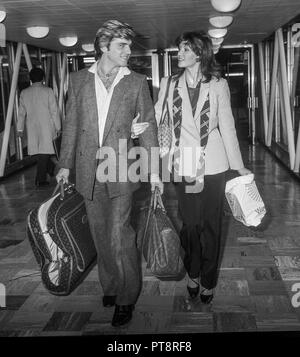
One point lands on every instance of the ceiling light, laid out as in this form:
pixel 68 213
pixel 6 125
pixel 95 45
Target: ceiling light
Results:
pixel 217 33
pixel 2 15
pixel 88 47
pixel 221 21
pixel 68 41
pixel 217 41
pixel 37 31
pixel 225 5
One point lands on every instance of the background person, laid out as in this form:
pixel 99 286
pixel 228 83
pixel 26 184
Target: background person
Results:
pixel 39 110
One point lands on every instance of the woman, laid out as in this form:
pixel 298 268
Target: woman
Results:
pixel 204 146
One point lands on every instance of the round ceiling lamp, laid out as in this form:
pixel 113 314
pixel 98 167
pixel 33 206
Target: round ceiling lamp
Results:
pixel 217 41
pixel 225 5
pixel 68 41
pixel 217 33
pixel 2 15
pixel 88 47
pixel 37 31
pixel 216 49
pixel 221 21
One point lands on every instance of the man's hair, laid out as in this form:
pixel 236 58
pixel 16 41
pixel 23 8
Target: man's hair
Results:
pixel 201 45
pixel 36 75
pixel 108 31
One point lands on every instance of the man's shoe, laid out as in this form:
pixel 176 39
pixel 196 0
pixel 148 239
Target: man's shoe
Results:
pixel 109 300
pixel 122 315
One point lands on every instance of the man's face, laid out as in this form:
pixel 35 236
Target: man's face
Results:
pixel 119 51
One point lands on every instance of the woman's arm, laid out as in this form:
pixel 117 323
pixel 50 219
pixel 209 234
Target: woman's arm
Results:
pixel 227 129
pixel 160 100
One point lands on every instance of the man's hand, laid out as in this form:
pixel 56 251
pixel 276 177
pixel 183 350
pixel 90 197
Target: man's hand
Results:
pixel 244 171
pixel 156 182
pixel 20 134
pixel 138 128
pixel 63 174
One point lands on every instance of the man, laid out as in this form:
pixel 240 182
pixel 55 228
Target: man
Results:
pixel 38 108
pixel 102 103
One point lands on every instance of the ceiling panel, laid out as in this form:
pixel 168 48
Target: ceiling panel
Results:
pixel 161 20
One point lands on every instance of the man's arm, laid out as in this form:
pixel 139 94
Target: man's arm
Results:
pixel 148 139
pixel 145 108
pixel 69 136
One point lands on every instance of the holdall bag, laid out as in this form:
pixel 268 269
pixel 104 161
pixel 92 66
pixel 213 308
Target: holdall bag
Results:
pixel 245 201
pixel 161 243
pixel 164 130
pixel 61 240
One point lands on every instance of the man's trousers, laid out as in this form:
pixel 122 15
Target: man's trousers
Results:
pixel 115 241
pixel 44 166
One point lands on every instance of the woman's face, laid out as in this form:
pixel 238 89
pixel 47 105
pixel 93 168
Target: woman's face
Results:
pixel 186 56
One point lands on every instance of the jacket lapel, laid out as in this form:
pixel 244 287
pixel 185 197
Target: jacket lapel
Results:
pixel 204 88
pixel 89 101
pixel 183 92
pixel 115 102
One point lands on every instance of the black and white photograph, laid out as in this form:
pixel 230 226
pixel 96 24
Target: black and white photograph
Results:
pixel 149 173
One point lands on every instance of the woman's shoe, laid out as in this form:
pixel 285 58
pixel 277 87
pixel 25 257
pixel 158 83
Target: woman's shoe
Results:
pixel 207 298
pixel 193 292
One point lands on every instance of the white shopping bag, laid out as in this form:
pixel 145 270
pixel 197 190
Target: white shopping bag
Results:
pixel 244 200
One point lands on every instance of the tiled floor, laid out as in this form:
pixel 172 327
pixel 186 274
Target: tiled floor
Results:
pixel 259 269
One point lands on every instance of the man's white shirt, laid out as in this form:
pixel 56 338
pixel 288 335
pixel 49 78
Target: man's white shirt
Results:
pixel 103 97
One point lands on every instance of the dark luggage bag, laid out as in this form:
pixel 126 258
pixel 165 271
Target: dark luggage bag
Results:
pixel 61 240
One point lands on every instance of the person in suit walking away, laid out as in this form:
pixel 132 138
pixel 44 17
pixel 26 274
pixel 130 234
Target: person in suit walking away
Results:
pixel 204 146
pixel 39 110
pixel 102 103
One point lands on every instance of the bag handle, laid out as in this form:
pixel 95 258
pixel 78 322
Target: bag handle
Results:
pixel 165 99
pixel 61 186
pixel 154 201
pixel 151 205
pixel 158 200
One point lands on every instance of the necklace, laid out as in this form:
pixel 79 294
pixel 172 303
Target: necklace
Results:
pixel 193 81
pixel 108 78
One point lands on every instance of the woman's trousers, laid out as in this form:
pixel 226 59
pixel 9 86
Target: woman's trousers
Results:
pixel 200 235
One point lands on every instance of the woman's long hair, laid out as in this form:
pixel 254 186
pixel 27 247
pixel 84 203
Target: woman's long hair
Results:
pixel 201 45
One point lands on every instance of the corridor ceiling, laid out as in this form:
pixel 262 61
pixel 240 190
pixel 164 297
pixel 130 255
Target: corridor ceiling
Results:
pixel 157 22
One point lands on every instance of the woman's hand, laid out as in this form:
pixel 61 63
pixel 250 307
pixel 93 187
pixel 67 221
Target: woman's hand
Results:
pixel 244 171
pixel 138 128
